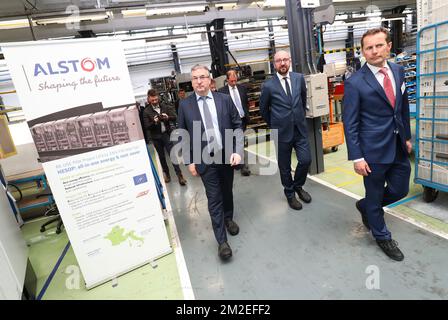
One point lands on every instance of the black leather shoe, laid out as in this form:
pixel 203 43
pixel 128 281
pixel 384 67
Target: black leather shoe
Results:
pixel 181 179
pixel 390 248
pixel 224 251
pixel 294 203
pixel 245 171
pixel 232 227
pixel 303 195
pixel 363 215
pixel 166 177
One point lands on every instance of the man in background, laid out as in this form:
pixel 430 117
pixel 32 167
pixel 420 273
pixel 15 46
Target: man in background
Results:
pixel 283 107
pixel 238 93
pixel 213 85
pixel 158 121
pixel 180 95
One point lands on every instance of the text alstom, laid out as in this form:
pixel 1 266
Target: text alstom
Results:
pixel 66 66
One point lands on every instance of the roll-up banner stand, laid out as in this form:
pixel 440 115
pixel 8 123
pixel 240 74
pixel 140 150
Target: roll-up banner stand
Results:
pixel 78 101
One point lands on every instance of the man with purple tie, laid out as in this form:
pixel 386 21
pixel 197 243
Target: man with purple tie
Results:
pixel 377 130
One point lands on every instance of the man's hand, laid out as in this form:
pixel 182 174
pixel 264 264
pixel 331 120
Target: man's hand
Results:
pixel 164 116
pixel 235 159
pixel 409 146
pixel 156 119
pixel 362 168
pixel 192 169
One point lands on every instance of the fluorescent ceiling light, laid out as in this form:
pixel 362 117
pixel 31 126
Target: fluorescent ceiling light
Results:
pixel 72 18
pixel 274 3
pixel 169 9
pixel 14 24
pixel 127 13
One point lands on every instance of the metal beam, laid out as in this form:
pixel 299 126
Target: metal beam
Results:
pixel 349 43
pixel 271 50
pixel 218 47
pixel 294 15
pixel 175 58
pixel 299 28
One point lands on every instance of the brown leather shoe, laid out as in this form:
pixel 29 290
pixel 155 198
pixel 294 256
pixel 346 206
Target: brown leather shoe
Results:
pixel 182 180
pixel 166 177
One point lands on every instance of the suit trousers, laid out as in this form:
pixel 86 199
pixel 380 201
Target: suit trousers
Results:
pixel 218 183
pixel 244 165
pixel 161 145
pixel 301 146
pixel 396 175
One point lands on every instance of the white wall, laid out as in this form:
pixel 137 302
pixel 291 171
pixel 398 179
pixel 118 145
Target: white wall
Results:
pixel 13 252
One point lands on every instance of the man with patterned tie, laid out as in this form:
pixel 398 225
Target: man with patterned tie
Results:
pixel 239 98
pixel 377 130
pixel 283 107
pixel 214 116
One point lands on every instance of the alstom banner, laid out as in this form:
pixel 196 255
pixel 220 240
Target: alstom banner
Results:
pixel 79 104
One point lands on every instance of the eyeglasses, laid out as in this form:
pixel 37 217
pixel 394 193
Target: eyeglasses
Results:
pixel 202 78
pixel 284 60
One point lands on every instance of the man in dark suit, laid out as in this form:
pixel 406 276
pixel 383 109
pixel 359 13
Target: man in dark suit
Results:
pixel 213 85
pixel 158 121
pixel 240 100
pixel 377 130
pixel 211 115
pixel 180 95
pixel 283 107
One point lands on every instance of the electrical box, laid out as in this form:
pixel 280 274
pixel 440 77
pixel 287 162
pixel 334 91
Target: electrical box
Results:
pixel 317 95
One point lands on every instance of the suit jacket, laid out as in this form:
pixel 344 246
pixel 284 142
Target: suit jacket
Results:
pixel 154 130
pixel 281 112
pixel 371 125
pixel 244 100
pixel 228 118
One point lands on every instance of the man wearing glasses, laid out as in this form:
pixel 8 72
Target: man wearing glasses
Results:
pixel 283 107
pixel 209 115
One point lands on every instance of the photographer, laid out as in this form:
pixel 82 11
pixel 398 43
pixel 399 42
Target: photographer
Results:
pixel 158 121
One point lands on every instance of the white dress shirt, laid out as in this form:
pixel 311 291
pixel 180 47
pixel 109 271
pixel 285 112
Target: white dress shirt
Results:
pixel 284 84
pixel 234 93
pixel 380 78
pixel 212 107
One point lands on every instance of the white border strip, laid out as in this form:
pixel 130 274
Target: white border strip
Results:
pixel 401 216
pixel 184 276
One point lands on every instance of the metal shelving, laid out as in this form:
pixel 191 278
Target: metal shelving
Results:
pixel 431 166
